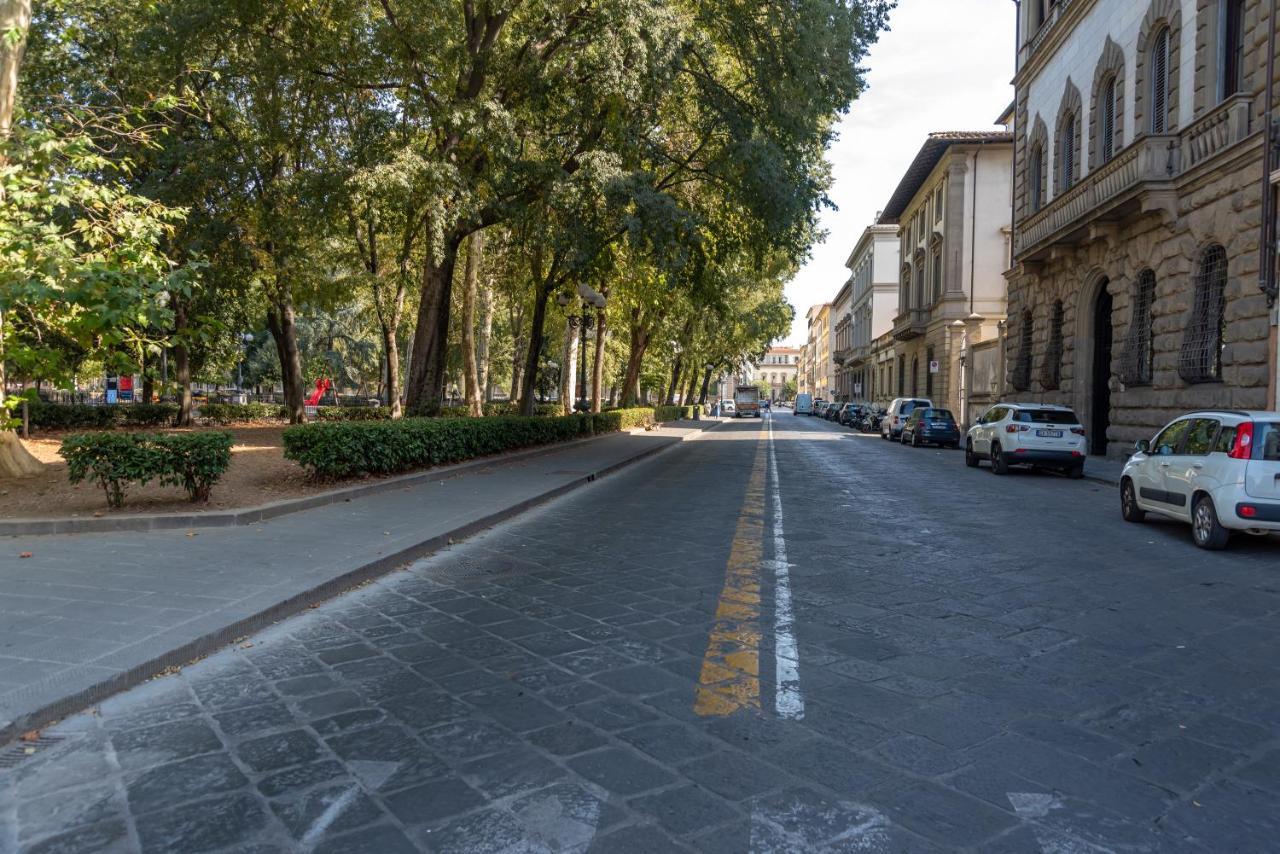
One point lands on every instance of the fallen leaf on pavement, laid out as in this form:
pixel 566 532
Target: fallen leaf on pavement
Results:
pixel 24 554
pixel 31 735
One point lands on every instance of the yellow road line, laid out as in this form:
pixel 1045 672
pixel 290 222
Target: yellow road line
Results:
pixel 730 678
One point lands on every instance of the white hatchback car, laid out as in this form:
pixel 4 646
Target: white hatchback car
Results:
pixel 1217 469
pixel 1030 434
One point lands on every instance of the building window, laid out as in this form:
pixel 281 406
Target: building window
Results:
pixel 928 374
pixel 902 375
pixel 1160 82
pixel 1035 175
pixel 1138 362
pixel 1067 153
pixel 920 291
pixel 1201 358
pixel 1022 368
pixel 915 376
pixel 1232 47
pixel 1107 119
pixel 1051 371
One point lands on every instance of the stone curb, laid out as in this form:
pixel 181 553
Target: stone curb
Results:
pixel 263 512
pixel 51 709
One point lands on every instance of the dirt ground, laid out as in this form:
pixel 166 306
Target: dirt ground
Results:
pixel 259 474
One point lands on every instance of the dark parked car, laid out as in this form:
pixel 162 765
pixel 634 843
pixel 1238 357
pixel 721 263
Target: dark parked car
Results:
pixel 832 411
pixel 931 426
pixel 850 413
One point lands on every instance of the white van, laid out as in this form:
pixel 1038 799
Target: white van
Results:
pixel 804 404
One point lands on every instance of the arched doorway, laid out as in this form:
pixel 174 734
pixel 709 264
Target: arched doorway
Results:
pixel 1100 411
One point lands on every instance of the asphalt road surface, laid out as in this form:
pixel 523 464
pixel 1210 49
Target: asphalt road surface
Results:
pixel 779 637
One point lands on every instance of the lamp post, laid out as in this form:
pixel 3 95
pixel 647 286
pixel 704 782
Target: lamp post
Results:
pixel 245 338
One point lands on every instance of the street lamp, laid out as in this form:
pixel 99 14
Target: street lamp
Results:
pixel 245 338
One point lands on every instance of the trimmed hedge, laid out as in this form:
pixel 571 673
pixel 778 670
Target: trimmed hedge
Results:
pixel 194 461
pixel 676 413
pixel 492 410
pixel 230 413
pixel 353 413
pixel 80 416
pixel 343 449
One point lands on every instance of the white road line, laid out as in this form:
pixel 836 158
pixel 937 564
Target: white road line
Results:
pixel 788 701
pixel 328 817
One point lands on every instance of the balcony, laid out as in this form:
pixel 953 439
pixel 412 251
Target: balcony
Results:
pixel 857 355
pixel 1105 195
pixel 839 355
pixel 1140 179
pixel 910 323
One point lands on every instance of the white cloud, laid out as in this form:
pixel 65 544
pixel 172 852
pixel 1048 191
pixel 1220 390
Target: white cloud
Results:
pixel 943 65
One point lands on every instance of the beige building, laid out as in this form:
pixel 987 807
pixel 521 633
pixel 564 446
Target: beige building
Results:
pixel 820 368
pixel 841 342
pixel 779 367
pixel 1135 291
pixel 952 210
pixel 873 279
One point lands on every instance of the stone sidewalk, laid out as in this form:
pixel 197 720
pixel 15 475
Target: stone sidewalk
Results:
pixel 87 615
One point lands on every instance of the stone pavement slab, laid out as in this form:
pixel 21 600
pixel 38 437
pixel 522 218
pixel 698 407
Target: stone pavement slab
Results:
pixel 90 614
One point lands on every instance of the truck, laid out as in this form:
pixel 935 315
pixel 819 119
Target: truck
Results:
pixel 747 401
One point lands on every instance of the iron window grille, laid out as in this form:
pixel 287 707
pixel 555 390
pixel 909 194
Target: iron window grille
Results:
pixel 1160 82
pixel 1107 125
pixel 1022 369
pixel 1036 177
pixel 1200 360
pixel 1051 370
pixel 1137 364
pixel 1067 159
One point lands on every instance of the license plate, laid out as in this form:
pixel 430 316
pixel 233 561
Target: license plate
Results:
pixel 1050 434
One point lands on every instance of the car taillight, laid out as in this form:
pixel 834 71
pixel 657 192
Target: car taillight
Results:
pixel 1016 428
pixel 1243 447
pixel 1079 431
pixel 1248 511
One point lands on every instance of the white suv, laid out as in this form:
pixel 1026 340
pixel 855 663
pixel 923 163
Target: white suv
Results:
pixel 1031 434
pixel 895 417
pixel 1217 469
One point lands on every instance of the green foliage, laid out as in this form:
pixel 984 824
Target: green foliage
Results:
pixel 112 460
pixel 500 408
pixel 194 461
pixel 353 413
pixel 640 416
pixel 232 413
pixel 79 416
pixel 74 416
pixel 344 449
pixel 146 414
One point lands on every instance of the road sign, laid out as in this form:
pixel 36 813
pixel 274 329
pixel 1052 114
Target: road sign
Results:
pixel 934 366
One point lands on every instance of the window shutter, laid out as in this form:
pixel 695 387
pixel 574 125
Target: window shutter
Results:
pixel 1160 83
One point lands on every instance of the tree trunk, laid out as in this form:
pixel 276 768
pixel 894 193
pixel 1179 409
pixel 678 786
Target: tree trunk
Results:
pixel 569 370
pixel 15 20
pixel 181 362
pixel 392 348
pixel 706 387
pixel 284 331
pixel 530 373
pixel 484 337
pixel 431 336
pixel 673 396
pixel 597 366
pixel 472 388
pixel 639 343
pixel 691 389
pixel 148 384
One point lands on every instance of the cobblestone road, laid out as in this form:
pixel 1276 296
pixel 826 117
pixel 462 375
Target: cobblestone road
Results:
pixel 779 637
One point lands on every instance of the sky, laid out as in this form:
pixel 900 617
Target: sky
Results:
pixel 943 65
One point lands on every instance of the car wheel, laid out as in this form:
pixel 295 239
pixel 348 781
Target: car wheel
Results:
pixel 998 464
pixel 1129 509
pixel 1076 471
pixel 1205 527
pixel 970 458
pixel 915 440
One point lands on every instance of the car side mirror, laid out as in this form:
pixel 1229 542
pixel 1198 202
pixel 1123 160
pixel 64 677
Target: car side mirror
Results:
pixel 1142 446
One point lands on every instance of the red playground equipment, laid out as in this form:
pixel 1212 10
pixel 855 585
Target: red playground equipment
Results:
pixel 322 385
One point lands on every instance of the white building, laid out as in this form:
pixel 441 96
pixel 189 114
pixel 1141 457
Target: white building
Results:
pixel 873 280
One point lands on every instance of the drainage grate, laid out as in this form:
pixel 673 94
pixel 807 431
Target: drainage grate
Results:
pixel 20 751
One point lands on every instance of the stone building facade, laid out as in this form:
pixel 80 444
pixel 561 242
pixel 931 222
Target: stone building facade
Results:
pixel 873 277
pixel 1134 293
pixel 952 211
pixel 778 368
pixel 817 357
pixel 841 343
